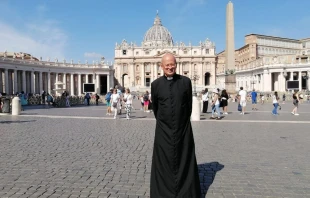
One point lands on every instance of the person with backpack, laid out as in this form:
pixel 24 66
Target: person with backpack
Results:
pixel 146 100
pixel 108 99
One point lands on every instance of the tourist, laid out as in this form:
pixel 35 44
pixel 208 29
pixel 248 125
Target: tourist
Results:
pixel 115 100
pixel 43 97
pixel 243 95
pixel 142 102
pixel 146 100
pixel 224 101
pixel 120 93
pixel 262 99
pixel 215 104
pixel 254 99
pixel 275 102
pixel 205 101
pixel 108 99
pixel 283 98
pixel 128 102
pixel 295 103
pixel 174 171
pixel 97 98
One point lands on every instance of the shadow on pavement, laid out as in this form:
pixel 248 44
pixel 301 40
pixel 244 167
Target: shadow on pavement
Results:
pixel 207 174
pixel 17 121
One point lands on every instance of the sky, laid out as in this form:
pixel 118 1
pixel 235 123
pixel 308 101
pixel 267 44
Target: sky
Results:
pixel 87 30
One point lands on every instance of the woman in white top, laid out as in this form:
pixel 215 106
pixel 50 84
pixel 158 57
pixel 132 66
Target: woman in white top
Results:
pixel 275 101
pixel 128 102
pixel 115 99
pixel 215 104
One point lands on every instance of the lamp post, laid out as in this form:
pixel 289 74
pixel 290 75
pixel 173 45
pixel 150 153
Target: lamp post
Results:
pixel 195 78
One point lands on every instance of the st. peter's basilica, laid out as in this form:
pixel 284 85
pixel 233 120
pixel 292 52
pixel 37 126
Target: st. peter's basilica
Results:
pixel 137 66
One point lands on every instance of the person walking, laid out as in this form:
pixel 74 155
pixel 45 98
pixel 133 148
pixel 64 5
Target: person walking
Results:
pixel 215 104
pixel 242 94
pixel 205 101
pixel 295 103
pixel 97 99
pixel 108 100
pixel 275 102
pixel 254 100
pixel 174 171
pixel 128 102
pixel 224 101
pixel 146 100
pixel 283 98
pixel 115 101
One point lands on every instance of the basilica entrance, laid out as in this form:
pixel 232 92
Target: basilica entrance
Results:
pixel 207 78
pixel 103 84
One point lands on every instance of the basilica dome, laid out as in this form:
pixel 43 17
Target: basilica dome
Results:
pixel 158 35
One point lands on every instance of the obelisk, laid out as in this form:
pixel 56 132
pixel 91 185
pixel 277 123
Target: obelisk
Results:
pixel 230 77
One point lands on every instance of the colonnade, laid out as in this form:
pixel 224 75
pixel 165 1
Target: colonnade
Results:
pixel 273 81
pixel 15 81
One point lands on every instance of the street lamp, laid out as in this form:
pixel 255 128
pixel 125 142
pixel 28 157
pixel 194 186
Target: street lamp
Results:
pixel 195 78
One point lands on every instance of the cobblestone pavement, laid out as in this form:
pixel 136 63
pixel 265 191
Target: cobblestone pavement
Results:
pixel 86 154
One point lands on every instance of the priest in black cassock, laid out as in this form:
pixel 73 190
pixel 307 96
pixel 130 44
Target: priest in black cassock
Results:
pixel 174 168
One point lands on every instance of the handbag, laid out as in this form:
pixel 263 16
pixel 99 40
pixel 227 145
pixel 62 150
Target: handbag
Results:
pixel 239 107
pixel 114 104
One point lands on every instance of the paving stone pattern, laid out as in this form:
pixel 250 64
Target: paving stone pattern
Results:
pixel 64 157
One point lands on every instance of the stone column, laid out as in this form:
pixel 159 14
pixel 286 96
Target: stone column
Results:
pixel 6 80
pixel 97 84
pixel 299 81
pixel 49 82
pixel 15 81
pixel 156 71
pixel 79 85
pixel 1 81
pixel 291 75
pixel 108 82
pixel 40 83
pixel 56 80
pixel 72 84
pixel 64 79
pixel 267 83
pixel 308 81
pixel 86 77
pixel 32 87
pixel 24 80
pixel 142 75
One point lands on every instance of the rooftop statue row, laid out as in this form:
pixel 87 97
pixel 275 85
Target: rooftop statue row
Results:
pixel 33 60
pixel 125 45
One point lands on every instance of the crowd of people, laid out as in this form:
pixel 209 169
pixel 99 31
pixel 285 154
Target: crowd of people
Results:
pixel 116 101
pixel 219 98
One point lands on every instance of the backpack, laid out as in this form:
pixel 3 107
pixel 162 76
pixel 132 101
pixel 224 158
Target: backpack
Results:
pixel 108 97
pixel 146 97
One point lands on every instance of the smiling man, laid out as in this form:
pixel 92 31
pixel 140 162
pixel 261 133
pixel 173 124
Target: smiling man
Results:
pixel 174 167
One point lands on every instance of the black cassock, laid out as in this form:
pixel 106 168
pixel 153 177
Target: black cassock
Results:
pixel 174 167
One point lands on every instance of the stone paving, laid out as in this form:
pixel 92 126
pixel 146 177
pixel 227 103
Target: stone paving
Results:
pixel 81 152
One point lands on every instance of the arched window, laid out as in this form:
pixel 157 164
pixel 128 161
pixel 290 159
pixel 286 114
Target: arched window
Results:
pixel 207 78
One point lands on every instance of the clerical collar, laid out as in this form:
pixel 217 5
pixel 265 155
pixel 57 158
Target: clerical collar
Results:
pixel 169 77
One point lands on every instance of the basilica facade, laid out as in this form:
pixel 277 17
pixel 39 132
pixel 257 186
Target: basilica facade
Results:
pixel 137 66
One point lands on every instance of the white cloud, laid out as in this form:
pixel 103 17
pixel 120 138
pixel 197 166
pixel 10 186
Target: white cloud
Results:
pixel 41 38
pixel 92 55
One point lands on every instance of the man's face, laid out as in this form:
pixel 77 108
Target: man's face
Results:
pixel 169 65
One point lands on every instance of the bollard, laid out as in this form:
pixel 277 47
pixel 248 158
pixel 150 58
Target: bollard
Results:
pixel 16 106
pixel 195 109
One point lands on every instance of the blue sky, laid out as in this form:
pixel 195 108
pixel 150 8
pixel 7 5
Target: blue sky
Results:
pixel 85 30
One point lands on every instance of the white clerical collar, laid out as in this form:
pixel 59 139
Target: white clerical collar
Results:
pixel 169 78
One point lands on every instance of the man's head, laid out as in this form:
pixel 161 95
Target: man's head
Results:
pixel 253 89
pixel 169 64
pixel 241 88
